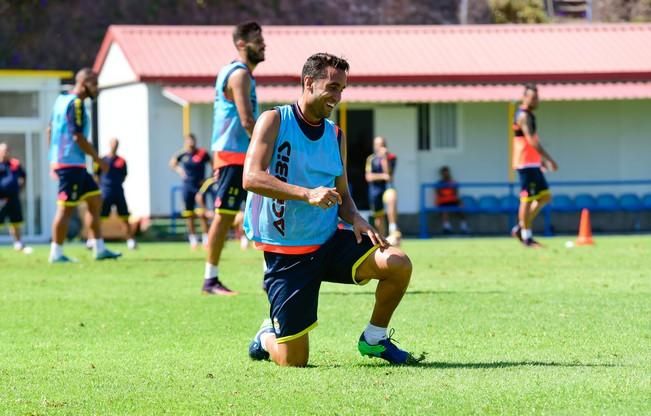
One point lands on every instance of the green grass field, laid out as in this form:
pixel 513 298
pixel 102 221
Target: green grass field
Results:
pixel 507 331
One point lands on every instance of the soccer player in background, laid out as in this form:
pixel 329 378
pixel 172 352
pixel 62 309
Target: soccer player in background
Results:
pixel 378 176
pixel 110 182
pixel 447 196
pixel 235 112
pixel 190 163
pixel 529 157
pixel 390 198
pixel 295 171
pixel 67 138
pixel 12 181
pixel 207 190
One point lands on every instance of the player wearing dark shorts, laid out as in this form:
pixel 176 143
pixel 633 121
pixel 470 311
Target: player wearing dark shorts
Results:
pixel 12 181
pixel 110 183
pixel 190 163
pixel 67 136
pixel 234 114
pixel 295 171
pixel 378 176
pixel 529 157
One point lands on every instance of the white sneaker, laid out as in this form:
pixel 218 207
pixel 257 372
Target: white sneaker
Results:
pixel 394 238
pixel 244 242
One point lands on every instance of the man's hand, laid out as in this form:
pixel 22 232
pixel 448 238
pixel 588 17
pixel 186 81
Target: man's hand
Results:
pixel 323 197
pixel 361 226
pixel 551 165
pixel 103 166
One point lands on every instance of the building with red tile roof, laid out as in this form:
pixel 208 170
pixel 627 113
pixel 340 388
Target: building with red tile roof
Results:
pixel 440 94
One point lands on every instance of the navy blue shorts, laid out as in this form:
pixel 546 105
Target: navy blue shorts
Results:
pixel 533 184
pixel 229 193
pixel 11 209
pixel 189 202
pixel 376 200
pixel 207 190
pixel 75 185
pixel 293 281
pixel 114 198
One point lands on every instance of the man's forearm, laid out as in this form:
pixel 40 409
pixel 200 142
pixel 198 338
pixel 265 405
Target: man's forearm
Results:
pixel 267 185
pixel 348 211
pixel 87 148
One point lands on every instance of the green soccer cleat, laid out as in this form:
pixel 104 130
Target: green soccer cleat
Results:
pixel 387 350
pixel 107 254
pixel 61 259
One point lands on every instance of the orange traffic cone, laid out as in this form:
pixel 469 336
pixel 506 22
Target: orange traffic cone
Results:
pixel 585 229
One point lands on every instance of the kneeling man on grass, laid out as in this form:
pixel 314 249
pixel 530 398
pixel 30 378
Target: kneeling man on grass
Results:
pixel 295 170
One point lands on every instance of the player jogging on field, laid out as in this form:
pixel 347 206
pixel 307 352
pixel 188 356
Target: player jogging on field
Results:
pixel 295 171
pixel 235 111
pixel 529 157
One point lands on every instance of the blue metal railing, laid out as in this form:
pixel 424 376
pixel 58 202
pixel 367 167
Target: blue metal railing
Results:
pixel 509 190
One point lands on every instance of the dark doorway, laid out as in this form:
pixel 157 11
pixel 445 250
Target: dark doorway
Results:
pixel 360 146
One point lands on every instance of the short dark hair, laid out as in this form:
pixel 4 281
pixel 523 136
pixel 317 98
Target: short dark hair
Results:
pixel 245 31
pixel 316 65
pixel 530 87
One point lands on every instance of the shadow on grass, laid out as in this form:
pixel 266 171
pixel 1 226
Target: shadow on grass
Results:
pixel 495 364
pixel 420 292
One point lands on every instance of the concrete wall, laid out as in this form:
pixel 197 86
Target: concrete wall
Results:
pixel 398 125
pixel 593 140
pixel 123 112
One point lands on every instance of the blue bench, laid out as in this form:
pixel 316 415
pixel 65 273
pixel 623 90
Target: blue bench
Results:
pixel 561 203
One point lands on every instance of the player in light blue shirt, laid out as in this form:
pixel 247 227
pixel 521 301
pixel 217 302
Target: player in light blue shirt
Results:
pixel 295 172
pixel 68 141
pixel 235 112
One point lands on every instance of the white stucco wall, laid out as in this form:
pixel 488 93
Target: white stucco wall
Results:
pixel 398 125
pixel 116 69
pixel 591 140
pixel 166 127
pixel 123 112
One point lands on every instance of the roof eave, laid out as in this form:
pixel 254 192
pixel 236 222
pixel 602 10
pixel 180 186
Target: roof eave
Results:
pixel 514 78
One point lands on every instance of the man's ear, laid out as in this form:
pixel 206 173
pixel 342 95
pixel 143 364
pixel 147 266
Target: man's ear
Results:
pixel 240 44
pixel 309 83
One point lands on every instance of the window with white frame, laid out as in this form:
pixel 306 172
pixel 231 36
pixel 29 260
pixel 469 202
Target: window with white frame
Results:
pixel 18 104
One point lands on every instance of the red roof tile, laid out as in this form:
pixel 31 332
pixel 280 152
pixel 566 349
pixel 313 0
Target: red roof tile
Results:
pixel 441 93
pixel 402 54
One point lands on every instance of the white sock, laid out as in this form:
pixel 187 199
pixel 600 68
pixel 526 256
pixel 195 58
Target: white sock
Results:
pixel 263 338
pixel 374 334
pixel 131 243
pixel 18 245
pixel 56 250
pixel 211 271
pixel 99 245
pixel 526 233
pixel 90 243
pixel 393 227
pixel 204 238
pixel 192 238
